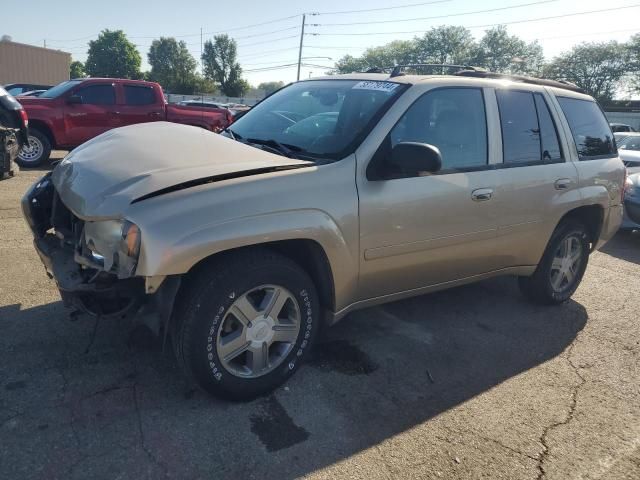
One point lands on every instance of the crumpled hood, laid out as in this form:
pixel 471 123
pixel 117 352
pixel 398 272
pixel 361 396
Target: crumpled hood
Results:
pixel 103 176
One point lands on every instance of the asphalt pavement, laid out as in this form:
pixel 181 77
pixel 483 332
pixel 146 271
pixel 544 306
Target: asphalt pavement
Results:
pixel 472 382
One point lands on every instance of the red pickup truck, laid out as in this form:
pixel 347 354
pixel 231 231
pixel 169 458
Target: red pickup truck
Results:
pixel 75 111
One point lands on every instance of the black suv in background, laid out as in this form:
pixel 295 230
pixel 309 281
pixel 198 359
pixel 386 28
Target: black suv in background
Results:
pixel 13 132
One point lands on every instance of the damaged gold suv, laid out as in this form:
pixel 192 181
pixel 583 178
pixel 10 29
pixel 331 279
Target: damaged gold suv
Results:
pixel 330 195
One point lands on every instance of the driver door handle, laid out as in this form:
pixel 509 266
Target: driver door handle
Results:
pixel 482 194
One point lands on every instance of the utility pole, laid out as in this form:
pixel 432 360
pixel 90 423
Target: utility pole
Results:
pixel 45 43
pixel 300 51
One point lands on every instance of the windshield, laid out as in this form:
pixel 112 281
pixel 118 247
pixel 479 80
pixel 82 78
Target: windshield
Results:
pixel 321 118
pixel 630 143
pixel 59 89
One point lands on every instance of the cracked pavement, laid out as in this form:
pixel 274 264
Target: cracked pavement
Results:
pixel 469 383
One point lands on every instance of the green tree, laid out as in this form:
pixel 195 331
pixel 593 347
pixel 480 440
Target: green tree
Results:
pixel 500 52
pixel 597 68
pixel 112 55
pixel 220 63
pixel 398 51
pixel 270 87
pixel 445 44
pixel 76 70
pixel 633 53
pixel 172 66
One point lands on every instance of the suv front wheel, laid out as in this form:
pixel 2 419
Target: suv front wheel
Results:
pixel 244 324
pixel 562 266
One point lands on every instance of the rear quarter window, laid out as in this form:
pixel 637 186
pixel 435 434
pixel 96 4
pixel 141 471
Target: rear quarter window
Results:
pixel 589 128
pixel 139 95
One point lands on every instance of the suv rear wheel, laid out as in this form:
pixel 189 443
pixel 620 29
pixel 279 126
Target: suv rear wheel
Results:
pixel 36 152
pixel 244 324
pixel 562 266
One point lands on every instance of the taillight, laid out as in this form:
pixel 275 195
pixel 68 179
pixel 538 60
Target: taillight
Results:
pixel 24 117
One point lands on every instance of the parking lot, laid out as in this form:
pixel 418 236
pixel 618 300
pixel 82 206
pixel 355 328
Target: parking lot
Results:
pixel 473 382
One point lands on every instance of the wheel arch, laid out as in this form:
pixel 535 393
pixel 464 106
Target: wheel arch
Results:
pixel 307 253
pixel 45 129
pixel 591 216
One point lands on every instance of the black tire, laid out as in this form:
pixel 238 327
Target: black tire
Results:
pixel 203 303
pixel 45 151
pixel 538 287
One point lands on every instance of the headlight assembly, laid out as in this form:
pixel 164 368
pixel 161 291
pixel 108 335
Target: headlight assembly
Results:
pixel 115 244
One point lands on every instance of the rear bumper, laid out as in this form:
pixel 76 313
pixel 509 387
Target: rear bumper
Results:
pixel 610 225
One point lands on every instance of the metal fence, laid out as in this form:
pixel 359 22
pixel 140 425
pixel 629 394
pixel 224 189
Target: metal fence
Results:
pixel 175 98
pixel 628 118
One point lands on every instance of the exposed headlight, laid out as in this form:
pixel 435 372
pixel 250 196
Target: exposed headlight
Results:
pixel 115 244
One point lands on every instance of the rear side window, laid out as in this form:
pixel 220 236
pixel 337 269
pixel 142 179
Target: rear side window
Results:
pixel 589 128
pixel 139 95
pixel 452 119
pixel 97 95
pixel 528 132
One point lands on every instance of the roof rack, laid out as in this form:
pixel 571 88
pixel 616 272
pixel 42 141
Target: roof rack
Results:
pixel 398 69
pixel 520 78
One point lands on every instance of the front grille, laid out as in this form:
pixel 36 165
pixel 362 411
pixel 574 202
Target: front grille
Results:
pixel 66 225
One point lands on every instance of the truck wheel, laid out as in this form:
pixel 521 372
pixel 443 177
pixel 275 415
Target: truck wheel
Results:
pixel 562 266
pixel 243 325
pixel 36 152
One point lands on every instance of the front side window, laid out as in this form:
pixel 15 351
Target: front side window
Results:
pixel 97 95
pixel 452 119
pixel 139 95
pixel 528 132
pixel 589 128
pixel 322 118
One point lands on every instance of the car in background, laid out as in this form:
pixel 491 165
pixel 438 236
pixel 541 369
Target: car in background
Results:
pixel 16 89
pixel 75 111
pixel 13 132
pixel 201 103
pixel 631 219
pixel 629 151
pixel 619 136
pixel 32 93
pixel 621 127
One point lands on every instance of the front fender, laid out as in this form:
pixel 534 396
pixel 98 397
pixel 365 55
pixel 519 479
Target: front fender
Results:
pixel 306 224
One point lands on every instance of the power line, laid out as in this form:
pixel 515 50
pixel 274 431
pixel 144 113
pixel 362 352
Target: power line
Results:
pixel 489 24
pixel 260 54
pixel 450 15
pixel 382 8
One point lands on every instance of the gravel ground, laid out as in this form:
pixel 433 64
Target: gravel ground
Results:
pixel 473 382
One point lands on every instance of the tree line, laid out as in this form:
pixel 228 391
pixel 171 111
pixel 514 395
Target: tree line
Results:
pixel 172 65
pixel 602 69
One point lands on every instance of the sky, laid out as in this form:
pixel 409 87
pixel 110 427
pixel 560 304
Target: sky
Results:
pixel 268 33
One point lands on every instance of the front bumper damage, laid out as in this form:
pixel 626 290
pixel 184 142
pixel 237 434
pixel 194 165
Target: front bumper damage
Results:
pixel 82 282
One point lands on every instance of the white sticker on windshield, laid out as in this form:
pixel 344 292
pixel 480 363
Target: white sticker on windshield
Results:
pixel 375 85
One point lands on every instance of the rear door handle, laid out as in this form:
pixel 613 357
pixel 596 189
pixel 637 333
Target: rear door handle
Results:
pixel 482 194
pixel 563 184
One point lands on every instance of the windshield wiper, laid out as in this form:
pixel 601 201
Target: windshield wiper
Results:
pixel 283 149
pixel 234 135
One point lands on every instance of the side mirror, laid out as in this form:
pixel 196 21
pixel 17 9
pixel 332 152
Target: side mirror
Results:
pixel 74 99
pixel 414 157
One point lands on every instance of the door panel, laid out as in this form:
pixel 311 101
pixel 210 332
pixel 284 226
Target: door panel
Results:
pixel 95 115
pixel 424 229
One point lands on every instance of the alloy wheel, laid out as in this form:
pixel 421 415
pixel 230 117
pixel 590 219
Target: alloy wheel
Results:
pixel 258 331
pixel 566 263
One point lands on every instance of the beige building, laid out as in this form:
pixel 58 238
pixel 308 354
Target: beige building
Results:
pixel 21 63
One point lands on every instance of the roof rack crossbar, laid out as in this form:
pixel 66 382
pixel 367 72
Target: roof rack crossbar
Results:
pixel 521 79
